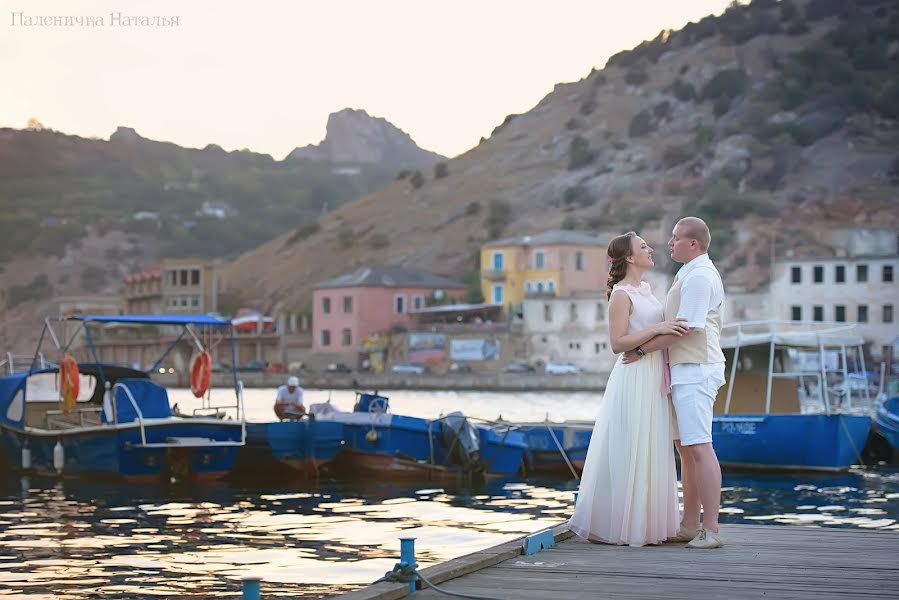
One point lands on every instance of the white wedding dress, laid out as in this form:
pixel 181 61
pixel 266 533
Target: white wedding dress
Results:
pixel 628 490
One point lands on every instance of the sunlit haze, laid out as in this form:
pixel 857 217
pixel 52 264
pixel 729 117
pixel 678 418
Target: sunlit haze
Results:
pixel 265 75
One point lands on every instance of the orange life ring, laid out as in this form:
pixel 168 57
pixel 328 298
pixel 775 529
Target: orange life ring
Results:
pixel 200 374
pixel 69 382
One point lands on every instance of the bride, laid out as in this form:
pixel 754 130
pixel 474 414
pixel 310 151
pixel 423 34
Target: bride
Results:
pixel 628 490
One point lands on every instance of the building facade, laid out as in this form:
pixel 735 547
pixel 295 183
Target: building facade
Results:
pixel 847 289
pixel 371 300
pixel 175 286
pixel 554 263
pixel 573 329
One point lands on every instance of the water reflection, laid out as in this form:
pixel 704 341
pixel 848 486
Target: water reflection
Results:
pixel 78 539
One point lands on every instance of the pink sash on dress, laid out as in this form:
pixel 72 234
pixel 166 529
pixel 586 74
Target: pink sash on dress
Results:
pixel 666 374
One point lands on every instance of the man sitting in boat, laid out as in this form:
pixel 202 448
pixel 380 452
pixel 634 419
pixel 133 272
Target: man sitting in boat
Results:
pixel 289 400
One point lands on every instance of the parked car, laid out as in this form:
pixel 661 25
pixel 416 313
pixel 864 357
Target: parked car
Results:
pixel 219 367
pixel 459 368
pixel 408 368
pixel 253 365
pixel 338 368
pixel 519 367
pixel 275 367
pixel 558 367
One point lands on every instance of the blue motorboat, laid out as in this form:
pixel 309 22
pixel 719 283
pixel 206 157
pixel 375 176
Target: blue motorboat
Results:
pixel 789 402
pixel 103 420
pixel 296 447
pixel 377 442
pixel 886 419
pixel 556 448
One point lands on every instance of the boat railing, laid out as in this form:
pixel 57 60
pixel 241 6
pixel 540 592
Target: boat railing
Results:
pixel 818 336
pixel 57 419
pixel 21 362
pixel 179 442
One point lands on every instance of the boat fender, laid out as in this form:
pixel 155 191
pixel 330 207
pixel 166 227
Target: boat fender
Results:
pixel 372 436
pixel 69 382
pixel 200 374
pixel 59 457
pixel 26 458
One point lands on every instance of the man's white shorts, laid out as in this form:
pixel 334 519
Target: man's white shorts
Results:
pixel 693 404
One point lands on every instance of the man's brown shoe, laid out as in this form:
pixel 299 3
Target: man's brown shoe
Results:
pixel 706 540
pixel 683 535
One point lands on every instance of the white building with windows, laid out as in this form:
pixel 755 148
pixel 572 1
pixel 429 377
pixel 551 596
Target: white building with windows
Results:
pixel 844 289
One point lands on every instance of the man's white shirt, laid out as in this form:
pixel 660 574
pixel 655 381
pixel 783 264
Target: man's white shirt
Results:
pixel 700 292
pixel 284 395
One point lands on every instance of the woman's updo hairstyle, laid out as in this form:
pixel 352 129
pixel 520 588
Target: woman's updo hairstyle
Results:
pixel 618 251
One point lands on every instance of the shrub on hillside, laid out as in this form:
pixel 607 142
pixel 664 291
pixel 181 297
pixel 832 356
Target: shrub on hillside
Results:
pixel 728 83
pixel 473 208
pixel 636 76
pixel 579 153
pixel 721 106
pixel 641 124
pixel 498 216
pixel 93 278
pixel 677 154
pixel 378 241
pixel 38 289
pixel 346 238
pixel 569 223
pixel 578 195
pixel 574 123
pixel 441 170
pixel 683 90
pixel 302 232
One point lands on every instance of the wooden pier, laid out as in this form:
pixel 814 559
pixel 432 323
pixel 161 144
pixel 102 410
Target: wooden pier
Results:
pixel 758 561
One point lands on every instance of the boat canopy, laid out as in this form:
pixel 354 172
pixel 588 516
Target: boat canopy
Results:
pixel 788 333
pixel 155 319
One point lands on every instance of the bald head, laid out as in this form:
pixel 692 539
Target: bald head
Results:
pixel 694 228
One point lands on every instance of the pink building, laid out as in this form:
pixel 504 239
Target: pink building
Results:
pixel 371 300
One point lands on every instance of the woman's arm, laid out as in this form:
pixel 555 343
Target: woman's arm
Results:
pixel 619 317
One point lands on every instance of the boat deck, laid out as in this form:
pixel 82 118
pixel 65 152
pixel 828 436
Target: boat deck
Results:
pixel 758 561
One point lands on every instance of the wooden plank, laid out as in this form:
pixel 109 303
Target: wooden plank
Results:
pixel 796 563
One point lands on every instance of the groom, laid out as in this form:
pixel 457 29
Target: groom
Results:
pixel 697 371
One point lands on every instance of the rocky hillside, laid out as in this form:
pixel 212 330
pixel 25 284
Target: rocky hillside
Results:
pixel 354 136
pixel 774 121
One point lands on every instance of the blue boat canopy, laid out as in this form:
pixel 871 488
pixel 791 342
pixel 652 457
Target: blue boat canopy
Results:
pixel 155 319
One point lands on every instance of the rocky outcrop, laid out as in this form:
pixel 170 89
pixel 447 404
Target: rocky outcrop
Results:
pixel 355 136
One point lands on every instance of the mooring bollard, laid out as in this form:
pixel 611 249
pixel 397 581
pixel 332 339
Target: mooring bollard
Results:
pixel 407 557
pixel 251 587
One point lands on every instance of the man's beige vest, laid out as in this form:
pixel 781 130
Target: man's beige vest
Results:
pixel 703 346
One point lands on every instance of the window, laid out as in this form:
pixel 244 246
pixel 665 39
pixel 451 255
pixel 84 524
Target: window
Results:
pixel 862 313
pixel 839 313
pixel 539 259
pixel 326 306
pixel 326 337
pixel 184 301
pixel 818 274
pixel 551 286
pixel 578 261
pixel 346 338
pixel 818 313
pixel 887 313
pixel 572 311
pixel 796 275
pixel 796 313
pixel 839 274
pixel 887 274
pixel 195 301
pixel 527 287
pixel 399 304
pixel 600 312
pixel 418 301
pixel 183 277
pixel 497 261
pixel 347 305
pixel 497 293
pixel 539 287
pixel 195 276
pixel 548 312
pixel 861 273
pixel 172 276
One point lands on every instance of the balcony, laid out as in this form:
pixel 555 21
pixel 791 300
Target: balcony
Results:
pixel 493 274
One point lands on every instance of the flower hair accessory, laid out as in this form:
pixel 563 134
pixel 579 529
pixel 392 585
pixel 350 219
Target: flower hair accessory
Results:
pixel 610 260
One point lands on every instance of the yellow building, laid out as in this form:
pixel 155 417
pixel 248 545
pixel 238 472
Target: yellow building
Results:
pixel 553 263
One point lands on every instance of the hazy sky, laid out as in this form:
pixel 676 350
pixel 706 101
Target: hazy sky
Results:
pixel 264 75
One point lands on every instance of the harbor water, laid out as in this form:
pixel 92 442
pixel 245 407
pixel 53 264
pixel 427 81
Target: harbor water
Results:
pixel 78 539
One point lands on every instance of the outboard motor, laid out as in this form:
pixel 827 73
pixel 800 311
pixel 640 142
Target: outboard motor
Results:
pixel 462 442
